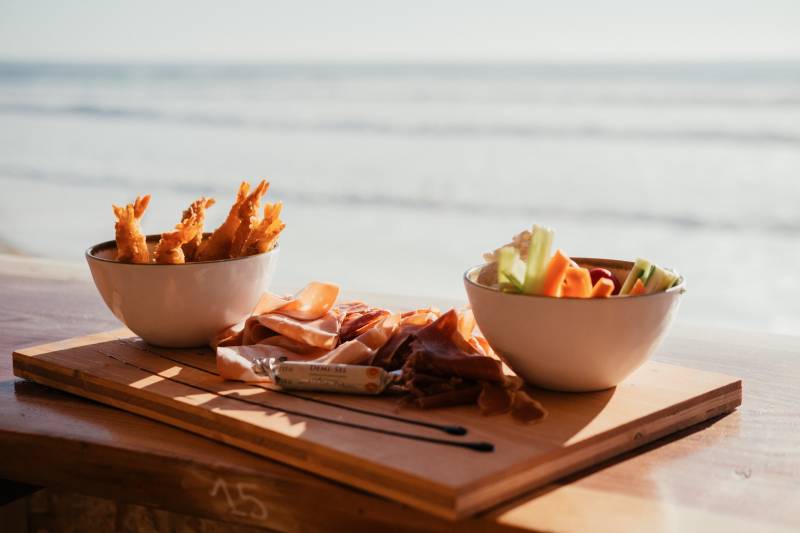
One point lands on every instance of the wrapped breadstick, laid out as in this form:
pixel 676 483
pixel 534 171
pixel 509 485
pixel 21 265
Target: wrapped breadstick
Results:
pixel 352 379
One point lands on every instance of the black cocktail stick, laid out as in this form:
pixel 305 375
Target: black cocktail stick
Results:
pixel 475 446
pixel 449 429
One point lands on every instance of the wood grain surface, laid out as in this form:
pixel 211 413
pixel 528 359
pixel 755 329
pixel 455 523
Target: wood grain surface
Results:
pixel 181 388
pixel 738 472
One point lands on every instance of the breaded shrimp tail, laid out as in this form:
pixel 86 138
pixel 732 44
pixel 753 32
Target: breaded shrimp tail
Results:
pixel 248 220
pixel 169 250
pixel 218 244
pixel 264 236
pixel 131 244
pixel 198 209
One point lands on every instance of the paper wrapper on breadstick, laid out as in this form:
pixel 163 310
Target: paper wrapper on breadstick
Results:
pixel 236 363
pixel 352 379
pixel 247 363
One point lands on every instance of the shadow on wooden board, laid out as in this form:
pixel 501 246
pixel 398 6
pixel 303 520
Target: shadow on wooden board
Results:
pixel 361 441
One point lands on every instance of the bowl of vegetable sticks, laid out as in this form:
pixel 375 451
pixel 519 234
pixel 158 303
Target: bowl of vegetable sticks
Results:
pixel 571 324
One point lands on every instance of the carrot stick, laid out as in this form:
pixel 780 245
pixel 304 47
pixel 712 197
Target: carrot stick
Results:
pixel 638 288
pixel 577 283
pixel 554 274
pixel 603 288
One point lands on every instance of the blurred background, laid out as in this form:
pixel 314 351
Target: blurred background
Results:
pixel 406 138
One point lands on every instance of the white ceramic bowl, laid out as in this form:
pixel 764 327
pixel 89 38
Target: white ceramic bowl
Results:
pixel 180 306
pixel 573 344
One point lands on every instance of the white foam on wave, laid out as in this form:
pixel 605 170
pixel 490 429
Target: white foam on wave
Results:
pixel 397 180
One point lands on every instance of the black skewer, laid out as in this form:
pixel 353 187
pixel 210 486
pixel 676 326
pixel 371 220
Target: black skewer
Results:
pixel 446 428
pixel 475 446
pixel 450 430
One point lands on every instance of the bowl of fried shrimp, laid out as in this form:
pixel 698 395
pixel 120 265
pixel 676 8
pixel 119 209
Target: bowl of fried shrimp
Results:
pixel 178 289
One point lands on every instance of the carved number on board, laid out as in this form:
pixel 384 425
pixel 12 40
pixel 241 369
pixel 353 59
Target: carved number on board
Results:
pixel 259 511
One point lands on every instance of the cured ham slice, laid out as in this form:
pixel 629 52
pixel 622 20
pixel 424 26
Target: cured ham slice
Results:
pixel 393 354
pixel 314 301
pixel 306 327
pixel 361 350
pixel 235 362
pixel 443 362
pixel 320 332
pixel 432 391
pixel 459 396
pixel 298 349
pixel 306 317
pixel 525 409
pixel 439 349
pixel 230 336
pixel 448 365
pixel 359 318
pixel 507 397
pixel 495 398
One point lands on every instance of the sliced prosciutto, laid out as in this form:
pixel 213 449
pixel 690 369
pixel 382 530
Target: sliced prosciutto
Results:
pixel 443 362
pixel 309 326
pixel 440 349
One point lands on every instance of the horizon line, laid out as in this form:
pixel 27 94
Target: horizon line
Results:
pixel 750 61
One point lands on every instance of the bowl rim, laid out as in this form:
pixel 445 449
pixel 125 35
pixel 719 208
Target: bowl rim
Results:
pixel 90 255
pixel 680 288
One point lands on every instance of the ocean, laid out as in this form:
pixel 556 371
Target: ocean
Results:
pixel 396 177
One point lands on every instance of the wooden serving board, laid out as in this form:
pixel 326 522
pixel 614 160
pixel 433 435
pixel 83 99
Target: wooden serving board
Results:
pixel 181 388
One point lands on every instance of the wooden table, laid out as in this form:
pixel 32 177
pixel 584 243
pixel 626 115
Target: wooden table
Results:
pixel 740 472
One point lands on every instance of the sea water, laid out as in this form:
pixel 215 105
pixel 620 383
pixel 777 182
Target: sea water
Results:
pixel 396 177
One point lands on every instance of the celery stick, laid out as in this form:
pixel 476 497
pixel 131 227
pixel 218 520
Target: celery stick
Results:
pixel 642 268
pixel 505 260
pixel 538 256
pixel 517 272
pixel 510 269
pixel 514 283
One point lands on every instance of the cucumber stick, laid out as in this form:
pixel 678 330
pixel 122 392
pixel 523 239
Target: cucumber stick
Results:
pixel 538 256
pixel 659 280
pixel 642 268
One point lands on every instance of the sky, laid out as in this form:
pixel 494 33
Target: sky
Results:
pixel 407 30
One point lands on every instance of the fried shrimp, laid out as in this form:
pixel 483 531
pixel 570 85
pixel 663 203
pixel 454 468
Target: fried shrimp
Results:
pixel 247 219
pixel 198 208
pixel 218 245
pixel 169 250
pixel 242 233
pixel 265 235
pixel 131 244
